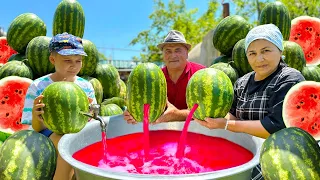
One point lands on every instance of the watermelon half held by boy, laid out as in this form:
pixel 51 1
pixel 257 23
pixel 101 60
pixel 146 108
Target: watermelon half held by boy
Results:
pixel 5 50
pixel 301 107
pixel 13 90
pixel 305 31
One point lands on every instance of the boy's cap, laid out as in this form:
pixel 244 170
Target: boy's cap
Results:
pixel 67 44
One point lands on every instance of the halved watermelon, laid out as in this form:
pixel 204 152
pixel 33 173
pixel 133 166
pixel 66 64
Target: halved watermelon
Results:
pixel 305 31
pixel 13 90
pixel 5 50
pixel 301 107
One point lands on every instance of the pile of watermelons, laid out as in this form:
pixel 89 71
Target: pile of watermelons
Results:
pixel 24 56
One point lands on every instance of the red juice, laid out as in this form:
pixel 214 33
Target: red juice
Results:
pixel 202 154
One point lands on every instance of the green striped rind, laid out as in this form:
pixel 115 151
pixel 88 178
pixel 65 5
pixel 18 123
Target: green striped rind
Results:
pixel 239 58
pixel 228 32
pixel 69 17
pixel 89 63
pixel 109 77
pixel 98 89
pixel 146 85
pixel 228 70
pixel 278 14
pixel 38 56
pixel 290 153
pixel 16 68
pixel 310 73
pixel 212 90
pixel 222 58
pixel 4 135
pixel 27 155
pixel 110 110
pixel 23 29
pixel 294 55
pixel 123 89
pixel 64 102
pixel 115 100
pixel 17 57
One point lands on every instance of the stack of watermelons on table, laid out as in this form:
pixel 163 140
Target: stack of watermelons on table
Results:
pixel 24 56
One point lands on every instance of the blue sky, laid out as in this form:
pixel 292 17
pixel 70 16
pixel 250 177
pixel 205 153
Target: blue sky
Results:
pixel 109 24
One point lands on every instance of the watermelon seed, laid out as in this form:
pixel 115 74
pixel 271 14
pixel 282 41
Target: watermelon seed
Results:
pixel 6 97
pixel 295 38
pixel 301 102
pixel 315 96
pixel 16 90
pixel 298 107
pixel 311 95
pixel 7 114
pixel 299 34
pixel 3 102
pixel 302 119
pixel 20 91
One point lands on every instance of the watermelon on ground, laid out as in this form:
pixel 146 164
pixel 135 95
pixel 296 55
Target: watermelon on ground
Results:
pixel 305 31
pixel 16 68
pixel 301 107
pixel 294 55
pixel 13 90
pixel 110 110
pixel 5 50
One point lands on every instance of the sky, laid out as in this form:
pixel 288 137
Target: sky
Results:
pixel 109 24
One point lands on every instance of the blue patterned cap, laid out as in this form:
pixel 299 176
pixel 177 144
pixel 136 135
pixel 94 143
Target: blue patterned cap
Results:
pixel 269 32
pixel 67 44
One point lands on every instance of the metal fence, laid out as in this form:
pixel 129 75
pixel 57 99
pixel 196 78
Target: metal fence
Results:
pixel 126 64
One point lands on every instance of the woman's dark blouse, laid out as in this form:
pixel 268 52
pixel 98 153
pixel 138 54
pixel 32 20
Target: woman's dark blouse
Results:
pixel 263 100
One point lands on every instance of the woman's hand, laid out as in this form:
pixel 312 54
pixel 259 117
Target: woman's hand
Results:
pixel 212 123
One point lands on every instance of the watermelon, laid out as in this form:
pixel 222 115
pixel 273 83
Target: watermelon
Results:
pixel 146 85
pixel 222 58
pixel 239 58
pixel 13 91
pixel 17 57
pixel 16 68
pixel 89 63
pixel 110 110
pixel 123 89
pixel 278 14
pixel 228 32
pixel 228 70
pixel 1 143
pixel 301 107
pixel 23 29
pixel 38 56
pixel 109 77
pixel 290 153
pixel 27 155
pixel 115 100
pixel 294 55
pixel 305 31
pixel 98 89
pixel 212 90
pixel 64 104
pixel 311 73
pixel 69 17
pixel 5 50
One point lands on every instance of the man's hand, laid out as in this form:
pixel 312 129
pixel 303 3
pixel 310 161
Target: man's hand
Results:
pixel 168 115
pixel 37 110
pixel 212 123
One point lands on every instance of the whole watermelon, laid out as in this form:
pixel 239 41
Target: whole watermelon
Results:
pixel 310 73
pixel 290 153
pixel 23 29
pixel 239 58
pixel 109 77
pixel 294 55
pixel 222 58
pixel 115 100
pixel 123 89
pixel 228 32
pixel 69 17
pixel 228 70
pixel 110 110
pixel 27 155
pixel 38 56
pixel 16 68
pixel 212 90
pixel 98 89
pixel 146 85
pixel 89 62
pixel 65 103
pixel 278 14
pixel 17 57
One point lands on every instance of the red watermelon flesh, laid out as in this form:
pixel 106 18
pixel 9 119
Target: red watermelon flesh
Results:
pixel 13 90
pixel 5 50
pixel 301 107
pixel 305 31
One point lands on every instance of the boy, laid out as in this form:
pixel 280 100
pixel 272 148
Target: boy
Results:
pixel 66 53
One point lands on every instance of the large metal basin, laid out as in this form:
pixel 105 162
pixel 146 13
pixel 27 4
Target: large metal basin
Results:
pixel 71 143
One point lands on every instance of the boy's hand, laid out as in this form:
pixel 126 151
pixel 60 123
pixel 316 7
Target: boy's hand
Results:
pixel 90 100
pixel 37 110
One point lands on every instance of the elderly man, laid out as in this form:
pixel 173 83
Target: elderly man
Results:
pixel 178 70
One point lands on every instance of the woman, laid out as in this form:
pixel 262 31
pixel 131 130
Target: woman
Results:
pixel 259 95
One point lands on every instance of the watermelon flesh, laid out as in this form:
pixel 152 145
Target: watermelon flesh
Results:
pixel 305 31
pixel 13 90
pixel 5 50
pixel 301 107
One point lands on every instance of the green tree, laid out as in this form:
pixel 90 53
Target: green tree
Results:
pixel 303 7
pixel 174 16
